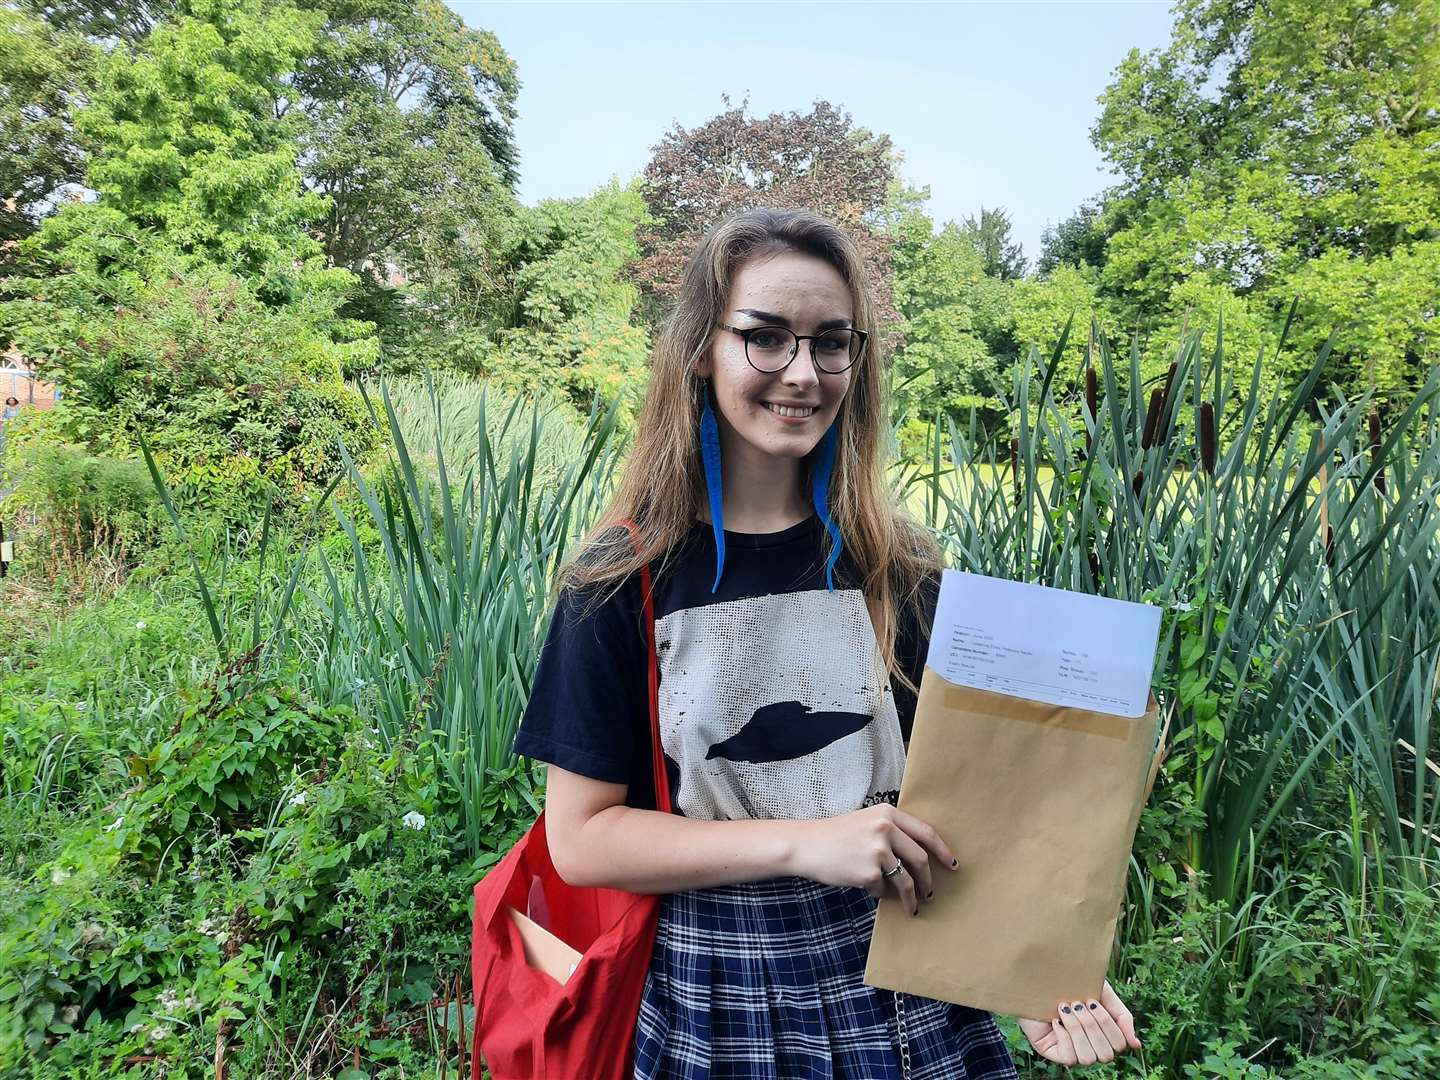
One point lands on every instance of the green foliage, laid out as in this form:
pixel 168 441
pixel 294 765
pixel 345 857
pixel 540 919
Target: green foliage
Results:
pixel 409 85
pixel 234 395
pixel 445 428
pixel 1079 240
pixel 257 835
pixel 957 319
pixel 1043 308
pixel 43 72
pixel 1279 150
pixel 572 329
pixel 190 302
pixel 82 502
pixel 232 751
pixel 1003 257
pixel 191 140
pixel 465 562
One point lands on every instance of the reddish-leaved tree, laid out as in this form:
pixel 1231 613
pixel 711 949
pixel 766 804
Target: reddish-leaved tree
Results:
pixel 817 161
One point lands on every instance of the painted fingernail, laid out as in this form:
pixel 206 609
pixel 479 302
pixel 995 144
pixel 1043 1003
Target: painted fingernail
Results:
pixel 954 864
pixel 930 895
pixel 1093 1004
pixel 1065 1008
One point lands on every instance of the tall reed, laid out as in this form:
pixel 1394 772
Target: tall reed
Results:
pixel 434 628
pixel 1280 642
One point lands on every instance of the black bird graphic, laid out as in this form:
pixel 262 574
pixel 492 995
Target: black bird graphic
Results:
pixel 785 730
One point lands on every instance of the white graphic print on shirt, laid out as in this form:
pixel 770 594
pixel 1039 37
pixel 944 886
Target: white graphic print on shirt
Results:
pixel 768 708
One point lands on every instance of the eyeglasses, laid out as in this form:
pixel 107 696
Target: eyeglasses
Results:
pixel 771 348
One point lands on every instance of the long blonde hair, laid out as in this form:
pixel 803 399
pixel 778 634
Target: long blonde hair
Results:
pixel 662 486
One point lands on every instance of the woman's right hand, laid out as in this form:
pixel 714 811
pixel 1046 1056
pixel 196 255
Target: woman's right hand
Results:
pixel 856 849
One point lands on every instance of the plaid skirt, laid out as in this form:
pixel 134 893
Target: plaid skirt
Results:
pixel 763 981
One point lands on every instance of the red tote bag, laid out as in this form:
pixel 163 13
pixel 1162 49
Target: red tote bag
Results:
pixel 529 1025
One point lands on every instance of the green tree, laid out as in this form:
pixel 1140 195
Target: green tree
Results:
pixel 1286 149
pixel 189 298
pixel 410 134
pixel 232 392
pixel 956 319
pixel 103 21
pixel 1003 257
pixel 573 327
pixel 193 142
pixel 44 73
pixel 403 116
pixel 1043 306
pixel 1078 239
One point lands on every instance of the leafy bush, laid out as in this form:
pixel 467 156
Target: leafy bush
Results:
pixel 82 502
pixel 236 397
pixel 260 824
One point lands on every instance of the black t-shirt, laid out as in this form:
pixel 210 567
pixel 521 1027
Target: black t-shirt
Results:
pixel 773 700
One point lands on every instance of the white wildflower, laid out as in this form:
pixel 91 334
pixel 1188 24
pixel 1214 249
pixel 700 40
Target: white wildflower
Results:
pixel 81 706
pixel 206 925
pixel 158 1032
pixel 298 799
pixel 58 876
pixel 1183 605
pixel 115 824
pixel 413 820
pixel 140 624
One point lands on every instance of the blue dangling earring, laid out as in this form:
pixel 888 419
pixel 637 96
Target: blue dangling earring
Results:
pixel 710 456
pixel 820 493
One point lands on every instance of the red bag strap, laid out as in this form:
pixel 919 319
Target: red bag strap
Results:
pixel 657 754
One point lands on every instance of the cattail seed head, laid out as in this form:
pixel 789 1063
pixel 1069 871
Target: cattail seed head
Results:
pixel 1092 397
pixel 1162 431
pixel 1139 482
pixel 1207 437
pixel 1152 418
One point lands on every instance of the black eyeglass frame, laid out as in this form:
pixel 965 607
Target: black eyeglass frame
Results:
pixel 795 351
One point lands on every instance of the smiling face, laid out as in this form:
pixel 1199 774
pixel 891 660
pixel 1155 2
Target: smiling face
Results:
pixel 809 296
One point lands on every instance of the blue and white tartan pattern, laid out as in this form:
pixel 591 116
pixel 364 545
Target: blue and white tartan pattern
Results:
pixel 763 981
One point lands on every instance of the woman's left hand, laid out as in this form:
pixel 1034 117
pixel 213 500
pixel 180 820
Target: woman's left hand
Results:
pixel 1084 1032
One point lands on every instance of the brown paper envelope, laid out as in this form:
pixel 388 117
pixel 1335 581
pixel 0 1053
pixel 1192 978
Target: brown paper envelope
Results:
pixel 1039 803
pixel 543 950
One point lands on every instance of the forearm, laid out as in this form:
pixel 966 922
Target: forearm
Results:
pixel 650 852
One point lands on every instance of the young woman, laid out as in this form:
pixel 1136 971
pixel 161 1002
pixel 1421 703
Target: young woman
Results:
pixel 792 609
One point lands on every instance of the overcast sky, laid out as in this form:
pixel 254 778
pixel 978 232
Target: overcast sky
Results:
pixel 990 103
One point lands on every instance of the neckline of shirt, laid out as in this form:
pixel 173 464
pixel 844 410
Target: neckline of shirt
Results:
pixel 800 530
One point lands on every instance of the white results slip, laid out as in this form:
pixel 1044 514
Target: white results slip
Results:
pixel 1051 645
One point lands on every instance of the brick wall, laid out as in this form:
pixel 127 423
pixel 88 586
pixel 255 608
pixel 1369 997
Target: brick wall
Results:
pixel 16 380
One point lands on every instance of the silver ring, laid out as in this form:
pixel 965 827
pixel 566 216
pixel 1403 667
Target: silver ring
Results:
pixel 899 865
